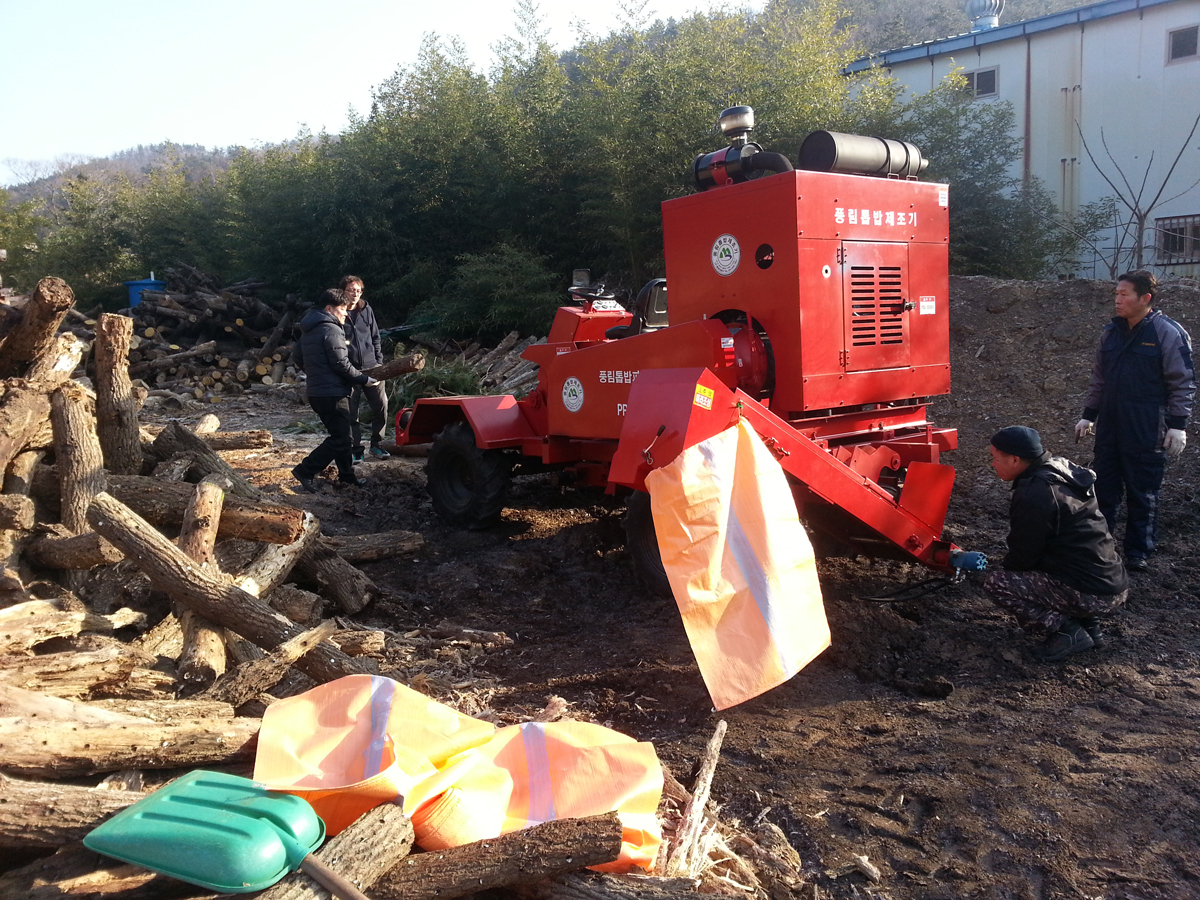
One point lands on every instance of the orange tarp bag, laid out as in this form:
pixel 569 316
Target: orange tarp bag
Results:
pixel 536 772
pixel 354 743
pixel 740 564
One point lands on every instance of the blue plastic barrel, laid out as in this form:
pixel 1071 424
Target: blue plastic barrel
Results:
pixel 146 284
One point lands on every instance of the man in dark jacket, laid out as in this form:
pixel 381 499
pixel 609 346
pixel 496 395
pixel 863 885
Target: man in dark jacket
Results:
pixel 1139 397
pixel 330 379
pixel 1062 570
pixel 366 352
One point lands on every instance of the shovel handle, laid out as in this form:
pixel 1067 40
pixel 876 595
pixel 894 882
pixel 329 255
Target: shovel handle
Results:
pixel 330 880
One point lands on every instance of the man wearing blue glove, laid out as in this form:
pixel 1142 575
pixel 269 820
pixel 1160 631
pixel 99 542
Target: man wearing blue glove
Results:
pixel 1062 571
pixel 1139 397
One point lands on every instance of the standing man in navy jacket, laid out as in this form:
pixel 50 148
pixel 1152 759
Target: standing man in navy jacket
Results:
pixel 1140 398
pixel 366 352
pixel 330 380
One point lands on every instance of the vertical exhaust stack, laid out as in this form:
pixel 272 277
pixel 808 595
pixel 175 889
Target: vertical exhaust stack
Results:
pixel 984 14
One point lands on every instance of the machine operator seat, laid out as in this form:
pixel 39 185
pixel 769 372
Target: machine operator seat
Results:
pixel 649 311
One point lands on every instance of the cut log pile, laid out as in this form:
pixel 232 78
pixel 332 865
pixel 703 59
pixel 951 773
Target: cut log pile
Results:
pixel 501 369
pixel 154 602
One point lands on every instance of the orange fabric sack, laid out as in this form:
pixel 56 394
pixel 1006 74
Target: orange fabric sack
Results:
pixel 354 743
pixel 363 740
pixel 740 564
pixel 536 772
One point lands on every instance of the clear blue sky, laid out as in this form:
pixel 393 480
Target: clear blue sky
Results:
pixel 91 77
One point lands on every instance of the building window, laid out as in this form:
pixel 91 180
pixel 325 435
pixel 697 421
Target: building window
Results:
pixel 1183 44
pixel 982 82
pixel 1178 240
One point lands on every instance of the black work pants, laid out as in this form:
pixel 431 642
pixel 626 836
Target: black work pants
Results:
pixel 335 416
pixel 377 399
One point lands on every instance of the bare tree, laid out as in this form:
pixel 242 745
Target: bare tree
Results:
pixel 1134 199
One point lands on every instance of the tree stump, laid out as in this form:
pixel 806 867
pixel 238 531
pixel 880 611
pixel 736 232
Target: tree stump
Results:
pixel 116 406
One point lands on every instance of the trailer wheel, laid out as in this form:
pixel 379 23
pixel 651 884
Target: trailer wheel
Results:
pixel 642 544
pixel 468 486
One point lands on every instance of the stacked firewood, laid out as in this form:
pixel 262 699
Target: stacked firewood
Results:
pixel 501 369
pixel 208 341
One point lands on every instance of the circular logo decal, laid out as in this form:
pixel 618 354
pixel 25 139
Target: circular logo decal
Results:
pixel 573 394
pixel 726 254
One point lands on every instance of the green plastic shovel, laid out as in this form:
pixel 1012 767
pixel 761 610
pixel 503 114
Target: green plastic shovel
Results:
pixel 221 832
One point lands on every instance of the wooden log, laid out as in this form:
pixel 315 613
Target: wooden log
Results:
pixel 510 341
pixel 177 439
pixel 302 607
pixel 175 575
pixel 209 423
pixel 143 369
pixel 239 440
pixel 358 548
pixel 274 564
pixel 35 335
pixel 19 477
pixel 78 873
pixel 354 642
pixel 41 814
pixel 375 843
pixel 174 469
pixel 56 548
pixel 25 406
pixel 401 365
pixel 82 673
pixel 116 406
pixel 69 749
pixel 18 703
pixel 16 512
pixel 202 660
pixel 595 886
pixel 81 472
pixel 163 502
pixel 520 857
pixel 687 851
pixel 250 679
pixel 24 626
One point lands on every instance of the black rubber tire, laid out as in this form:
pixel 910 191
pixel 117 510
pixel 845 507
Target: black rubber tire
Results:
pixel 642 544
pixel 468 486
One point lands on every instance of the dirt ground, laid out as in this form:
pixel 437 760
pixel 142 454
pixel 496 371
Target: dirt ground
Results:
pixel 927 737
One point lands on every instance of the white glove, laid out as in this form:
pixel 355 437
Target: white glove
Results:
pixel 1082 429
pixel 1174 442
pixel 371 382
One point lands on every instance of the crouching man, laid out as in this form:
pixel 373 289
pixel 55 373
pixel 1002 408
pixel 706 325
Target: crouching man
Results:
pixel 1062 571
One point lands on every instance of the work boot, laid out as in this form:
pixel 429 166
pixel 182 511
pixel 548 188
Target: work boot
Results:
pixel 1071 637
pixel 1137 564
pixel 378 452
pixel 306 481
pixel 1092 626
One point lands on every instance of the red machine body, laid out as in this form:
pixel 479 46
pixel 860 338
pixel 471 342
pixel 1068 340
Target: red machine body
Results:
pixel 813 304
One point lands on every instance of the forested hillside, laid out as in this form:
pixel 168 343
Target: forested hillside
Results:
pixel 464 198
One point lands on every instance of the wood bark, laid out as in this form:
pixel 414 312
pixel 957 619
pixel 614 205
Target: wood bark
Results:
pixel 35 334
pixel 78 674
pixel 177 439
pixel 375 843
pixel 18 703
pixel 149 367
pixel 520 857
pixel 202 660
pixel 57 548
pixel 175 575
pixel 357 548
pixel 414 362
pixel 69 749
pixel 280 334
pixel 24 626
pixel 360 643
pixel 250 679
pixel 81 474
pixel 19 477
pixel 302 607
pixel 25 406
pixel 16 512
pixel 80 874
pixel 41 814
pixel 687 851
pixel 116 406
pixel 274 564
pixel 163 502
pixel 239 440
pixel 595 886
